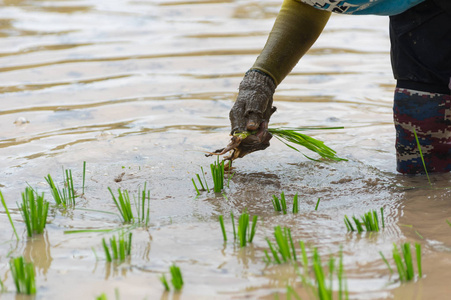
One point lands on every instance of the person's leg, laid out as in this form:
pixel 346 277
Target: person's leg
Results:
pixel 429 114
pixel 421 61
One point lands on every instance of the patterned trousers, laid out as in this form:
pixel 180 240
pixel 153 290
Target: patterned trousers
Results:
pixel 429 115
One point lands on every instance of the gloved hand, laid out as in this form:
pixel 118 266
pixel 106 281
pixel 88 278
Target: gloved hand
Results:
pixel 252 110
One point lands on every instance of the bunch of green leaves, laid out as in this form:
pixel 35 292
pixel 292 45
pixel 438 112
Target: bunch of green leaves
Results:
pixel 142 206
pixel 176 278
pixel 23 275
pixel 8 214
pixel 404 261
pixel 34 210
pixel 65 196
pixel 119 249
pixel 321 285
pixel 281 204
pixel 369 220
pixel 293 135
pixel 246 231
pixel 218 175
pixel 283 251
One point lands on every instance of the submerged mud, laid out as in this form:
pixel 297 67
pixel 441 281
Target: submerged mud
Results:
pixel 140 90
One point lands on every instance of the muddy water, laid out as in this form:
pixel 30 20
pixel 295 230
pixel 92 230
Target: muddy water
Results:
pixel 138 89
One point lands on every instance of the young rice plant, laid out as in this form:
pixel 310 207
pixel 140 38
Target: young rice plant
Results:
pixel 404 261
pixel 34 210
pixel 284 250
pixel 369 221
pixel 9 215
pixel 176 278
pixel 119 248
pixel 246 231
pixel 23 275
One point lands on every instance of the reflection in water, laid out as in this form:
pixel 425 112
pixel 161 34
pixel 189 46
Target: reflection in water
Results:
pixel 37 251
pixel 115 269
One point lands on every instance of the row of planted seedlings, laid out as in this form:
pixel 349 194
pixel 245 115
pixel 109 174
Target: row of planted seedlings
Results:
pixel 321 286
pixel 34 210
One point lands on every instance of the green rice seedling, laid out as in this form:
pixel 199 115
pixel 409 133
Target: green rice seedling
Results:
pixel 221 222
pixel 9 215
pixel 421 155
pixel 321 285
pixel 102 297
pixel 284 250
pixel 203 187
pixel 293 135
pixel 23 275
pixel 280 205
pixel 119 249
pixel 295 204
pixel 143 206
pixel 317 203
pixel 233 225
pixel 369 220
pixel 217 172
pixel 165 283
pixel 195 186
pixel 418 256
pixel 176 277
pixel 123 204
pixel 66 195
pixel 404 262
pixel 34 210
pixel 245 232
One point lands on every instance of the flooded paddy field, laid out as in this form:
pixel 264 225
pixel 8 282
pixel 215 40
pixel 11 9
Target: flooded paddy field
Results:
pixel 140 90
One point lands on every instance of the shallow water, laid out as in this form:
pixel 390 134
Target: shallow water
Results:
pixel 139 89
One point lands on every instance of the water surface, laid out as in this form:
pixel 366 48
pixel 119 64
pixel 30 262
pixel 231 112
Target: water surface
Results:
pixel 140 89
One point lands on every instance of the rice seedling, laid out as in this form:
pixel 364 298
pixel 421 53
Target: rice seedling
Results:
pixel 369 220
pixel 404 262
pixel 66 195
pixel 102 297
pixel 284 250
pixel 421 155
pixel 217 173
pixel 321 286
pixel 165 283
pixel 123 204
pixel 221 222
pixel 142 206
pixel 176 278
pixel 246 231
pixel 9 215
pixel 293 135
pixel 295 209
pixel 280 204
pixel 34 210
pixel 23 275
pixel 119 249
pixel 317 203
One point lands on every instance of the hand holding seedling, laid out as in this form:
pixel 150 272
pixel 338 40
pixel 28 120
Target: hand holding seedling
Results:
pixel 250 115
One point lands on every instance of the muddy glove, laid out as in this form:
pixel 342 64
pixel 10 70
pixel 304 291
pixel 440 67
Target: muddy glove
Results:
pixel 254 102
